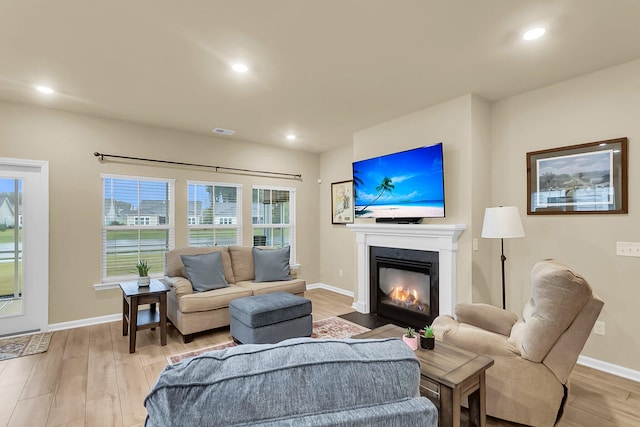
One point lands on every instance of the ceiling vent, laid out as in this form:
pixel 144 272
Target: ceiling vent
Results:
pixel 221 131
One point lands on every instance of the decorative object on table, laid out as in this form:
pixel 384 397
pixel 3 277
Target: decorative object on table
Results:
pixel 24 345
pixel 578 179
pixel 342 202
pixel 411 339
pixel 427 339
pixel 502 223
pixel 143 271
pixel 333 327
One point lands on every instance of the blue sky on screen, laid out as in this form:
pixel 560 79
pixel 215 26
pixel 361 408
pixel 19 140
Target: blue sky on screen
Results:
pixel 416 175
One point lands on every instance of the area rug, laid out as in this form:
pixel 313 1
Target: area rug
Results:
pixel 24 345
pixel 333 327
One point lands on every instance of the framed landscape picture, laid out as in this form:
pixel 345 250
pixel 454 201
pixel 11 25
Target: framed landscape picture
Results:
pixel 342 202
pixel 578 179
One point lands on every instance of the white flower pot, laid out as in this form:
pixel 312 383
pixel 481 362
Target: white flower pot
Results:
pixel 144 281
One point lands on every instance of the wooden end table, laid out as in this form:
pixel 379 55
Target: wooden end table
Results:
pixel 447 375
pixel 134 320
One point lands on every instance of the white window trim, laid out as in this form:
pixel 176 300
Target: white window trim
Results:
pixel 292 216
pixel 170 226
pixel 237 226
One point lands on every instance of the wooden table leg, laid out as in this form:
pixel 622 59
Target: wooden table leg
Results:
pixel 125 314
pixel 163 318
pixel 133 323
pixel 152 309
pixel 477 404
pixel 445 414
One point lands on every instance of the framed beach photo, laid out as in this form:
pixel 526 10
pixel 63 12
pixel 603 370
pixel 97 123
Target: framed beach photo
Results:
pixel 342 202
pixel 578 179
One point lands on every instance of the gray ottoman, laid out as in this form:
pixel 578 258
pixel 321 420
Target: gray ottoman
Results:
pixel 270 318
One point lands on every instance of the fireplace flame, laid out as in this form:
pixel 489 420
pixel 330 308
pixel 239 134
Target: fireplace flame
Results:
pixel 400 294
pixel 406 298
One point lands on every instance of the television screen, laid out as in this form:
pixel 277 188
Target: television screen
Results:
pixel 409 184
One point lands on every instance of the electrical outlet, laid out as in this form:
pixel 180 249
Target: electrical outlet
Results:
pixel 628 249
pixel 598 328
pixel 340 272
pixel 475 244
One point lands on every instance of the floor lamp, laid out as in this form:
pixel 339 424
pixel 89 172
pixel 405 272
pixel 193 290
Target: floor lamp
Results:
pixel 502 223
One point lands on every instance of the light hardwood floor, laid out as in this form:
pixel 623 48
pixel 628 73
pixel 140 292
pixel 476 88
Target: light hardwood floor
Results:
pixel 88 378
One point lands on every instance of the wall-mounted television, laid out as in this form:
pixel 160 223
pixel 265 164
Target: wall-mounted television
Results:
pixel 400 187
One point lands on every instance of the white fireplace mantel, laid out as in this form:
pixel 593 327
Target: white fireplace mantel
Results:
pixel 441 238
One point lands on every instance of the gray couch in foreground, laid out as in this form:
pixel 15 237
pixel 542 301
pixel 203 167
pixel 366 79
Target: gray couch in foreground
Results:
pixel 297 382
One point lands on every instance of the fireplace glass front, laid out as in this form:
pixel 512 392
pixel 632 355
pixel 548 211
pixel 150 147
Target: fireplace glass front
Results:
pixel 404 285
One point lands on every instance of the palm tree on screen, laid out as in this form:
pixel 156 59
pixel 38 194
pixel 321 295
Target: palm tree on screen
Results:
pixel 385 186
pixel 357 182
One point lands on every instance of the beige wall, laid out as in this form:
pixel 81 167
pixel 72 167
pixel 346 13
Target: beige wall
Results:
pixel 484 288
pixel 594 107
pixel 337 243
pixel 68 142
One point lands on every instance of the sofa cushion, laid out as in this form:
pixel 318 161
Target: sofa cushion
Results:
pixel 271 264
pixel 236 385
pixel 268 309
pixel 295 286
pixel 242 262
pixel 205 271
pixel 211 300
pixel 175 267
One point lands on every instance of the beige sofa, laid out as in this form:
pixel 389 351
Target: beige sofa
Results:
pixel 534 355
pixel 192 312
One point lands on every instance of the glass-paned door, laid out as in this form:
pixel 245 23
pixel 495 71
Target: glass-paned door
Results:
pixel 10 246
pixel 24 246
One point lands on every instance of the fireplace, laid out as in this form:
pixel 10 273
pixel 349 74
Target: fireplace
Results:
pixel 439 238
pixel 404 285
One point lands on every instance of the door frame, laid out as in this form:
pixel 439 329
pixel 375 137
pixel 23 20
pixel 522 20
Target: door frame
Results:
pixel 35 243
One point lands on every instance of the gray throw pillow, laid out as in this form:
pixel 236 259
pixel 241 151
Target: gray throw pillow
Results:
pixel 205 271
pixel 271 264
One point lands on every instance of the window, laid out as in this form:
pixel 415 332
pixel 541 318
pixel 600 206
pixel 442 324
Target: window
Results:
pixel 273 217
pixel 137 224
pixel 214 214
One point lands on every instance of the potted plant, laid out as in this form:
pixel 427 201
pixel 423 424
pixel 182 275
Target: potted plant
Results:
pixel 411 339
pixel 427 339
pixel 143 271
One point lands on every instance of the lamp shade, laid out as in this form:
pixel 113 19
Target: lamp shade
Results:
pixel 502 223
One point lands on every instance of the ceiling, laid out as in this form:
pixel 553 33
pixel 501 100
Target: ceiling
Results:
pixel 321 69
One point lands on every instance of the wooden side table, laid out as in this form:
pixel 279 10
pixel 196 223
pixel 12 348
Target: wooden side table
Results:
pixel 447 375
pixel 134 320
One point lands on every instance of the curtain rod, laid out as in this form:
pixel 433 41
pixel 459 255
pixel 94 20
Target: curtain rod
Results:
pixel 216 168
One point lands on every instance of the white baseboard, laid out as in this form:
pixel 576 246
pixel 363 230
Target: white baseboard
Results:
pixel 610 368
pixel 330 288
pixel 85 322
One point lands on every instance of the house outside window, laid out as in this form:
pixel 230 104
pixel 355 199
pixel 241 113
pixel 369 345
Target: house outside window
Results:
pixel 138 224
pixel 214 213
pixel 273 217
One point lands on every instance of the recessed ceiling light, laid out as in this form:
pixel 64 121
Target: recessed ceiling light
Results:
pixel 240 68
pixel 44 89
pixel 291 137
pixel 534 33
